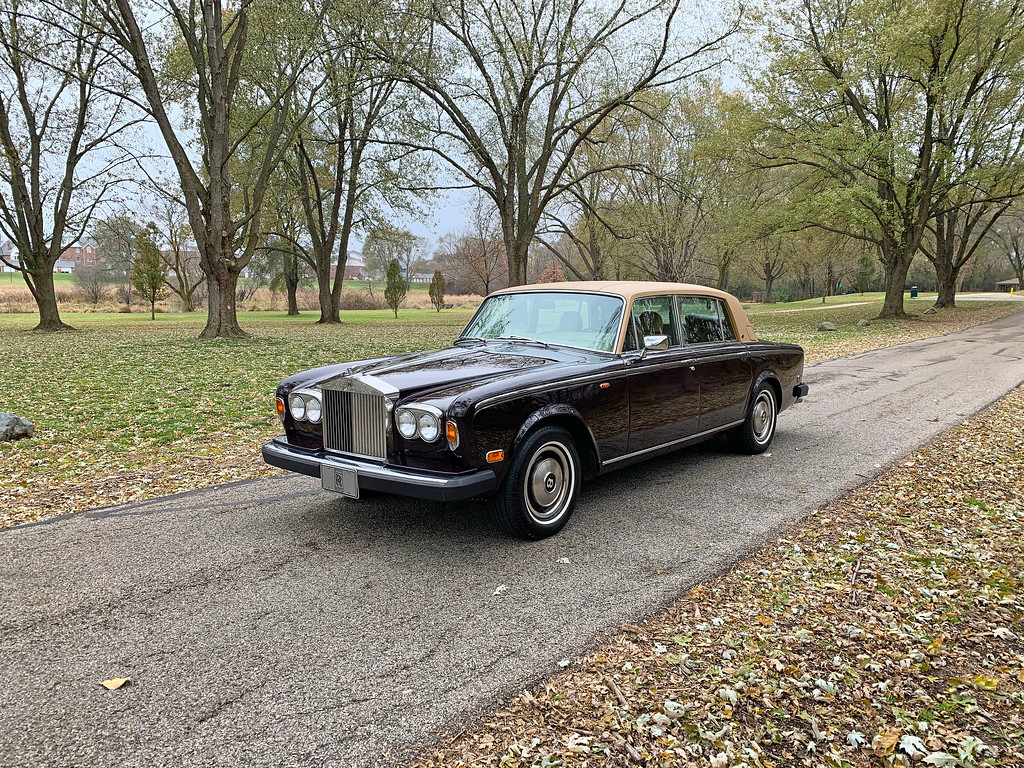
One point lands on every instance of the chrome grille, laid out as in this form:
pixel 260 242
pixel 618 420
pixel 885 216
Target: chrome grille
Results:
pixel 355 422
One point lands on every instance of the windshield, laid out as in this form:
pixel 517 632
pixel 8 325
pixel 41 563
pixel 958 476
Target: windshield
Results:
pixel 581 320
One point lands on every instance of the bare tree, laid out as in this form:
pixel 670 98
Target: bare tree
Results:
pixel 59 121
pixel 92 280
pixel 386 243
pixel 474 259
pixel 517 88
pixel 346 166
pixel 238 67
pixel 178 252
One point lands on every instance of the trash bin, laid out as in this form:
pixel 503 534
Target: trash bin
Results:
pixel 913 291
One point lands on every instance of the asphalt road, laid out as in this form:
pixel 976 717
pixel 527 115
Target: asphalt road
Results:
pixel 267 623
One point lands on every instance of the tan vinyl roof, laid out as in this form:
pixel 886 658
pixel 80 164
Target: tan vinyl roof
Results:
pixel 632 289
pixel 628 289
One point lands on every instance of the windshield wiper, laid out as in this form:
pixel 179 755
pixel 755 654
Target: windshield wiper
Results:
pixel 471 338
pixel 524 338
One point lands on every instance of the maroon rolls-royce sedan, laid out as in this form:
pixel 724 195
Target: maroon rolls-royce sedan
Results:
pixel 548 385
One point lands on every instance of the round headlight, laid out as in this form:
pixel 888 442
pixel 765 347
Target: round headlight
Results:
pixel 429 427
pixel 313 409
pixel 406 421
pixel 297 406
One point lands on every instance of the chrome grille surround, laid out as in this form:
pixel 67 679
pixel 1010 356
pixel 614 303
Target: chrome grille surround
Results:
pixel 356 418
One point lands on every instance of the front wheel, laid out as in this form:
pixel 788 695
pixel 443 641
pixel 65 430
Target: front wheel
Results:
pixel 755 434
pixel 539 491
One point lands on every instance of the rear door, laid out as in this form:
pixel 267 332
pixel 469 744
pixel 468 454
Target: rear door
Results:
pixel 722 362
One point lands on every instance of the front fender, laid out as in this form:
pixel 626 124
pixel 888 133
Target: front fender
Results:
pixel 570 418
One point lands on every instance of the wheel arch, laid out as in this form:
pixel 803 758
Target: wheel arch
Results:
pixel 769 378
pixel 572 421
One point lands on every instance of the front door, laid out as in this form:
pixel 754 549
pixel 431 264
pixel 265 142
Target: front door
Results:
pixel 664 388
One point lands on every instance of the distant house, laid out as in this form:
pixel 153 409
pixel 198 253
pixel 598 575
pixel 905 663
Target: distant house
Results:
pixel 355 267
pixel 421 277
pixel 9 254
pixel 1006 285
pixel 64 266
pixel 83 253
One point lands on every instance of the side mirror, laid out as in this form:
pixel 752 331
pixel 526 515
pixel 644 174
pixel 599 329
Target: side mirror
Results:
pixel 655 342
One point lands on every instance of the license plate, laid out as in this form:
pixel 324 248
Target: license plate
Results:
pixel 343 481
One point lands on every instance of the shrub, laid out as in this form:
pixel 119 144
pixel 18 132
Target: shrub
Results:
pixel 360 300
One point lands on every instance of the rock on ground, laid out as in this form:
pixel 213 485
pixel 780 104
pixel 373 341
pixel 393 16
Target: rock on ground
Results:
pixel 827 327
pixel 14 427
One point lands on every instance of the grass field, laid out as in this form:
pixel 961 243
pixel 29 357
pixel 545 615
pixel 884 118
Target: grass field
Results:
pixel 127 408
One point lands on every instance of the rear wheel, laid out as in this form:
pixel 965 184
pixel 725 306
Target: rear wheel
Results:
pixel 539 491
pixel 755 434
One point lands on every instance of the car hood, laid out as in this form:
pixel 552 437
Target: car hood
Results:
pixel 425 371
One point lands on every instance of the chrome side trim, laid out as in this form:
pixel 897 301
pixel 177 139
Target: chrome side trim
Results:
pixel 673 442
pixel 554 386
pixel 549 387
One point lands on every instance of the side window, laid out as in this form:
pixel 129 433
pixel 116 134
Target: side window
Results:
pixel 727 330
pixel 656 316
pixel 700 319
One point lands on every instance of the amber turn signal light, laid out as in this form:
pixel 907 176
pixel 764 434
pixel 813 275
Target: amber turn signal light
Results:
pixel 495 456
pixel 451 433
pixel 280 408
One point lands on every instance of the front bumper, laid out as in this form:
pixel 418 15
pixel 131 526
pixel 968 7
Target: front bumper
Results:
pixel 374 476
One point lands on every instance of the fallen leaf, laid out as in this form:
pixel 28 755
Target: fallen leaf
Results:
pixel 116 682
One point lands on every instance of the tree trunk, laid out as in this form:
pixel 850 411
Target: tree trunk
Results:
pixel 323 285
pixel 769 285
pixel 291 284
pixel 946 275
pixel 41 286
pixel 723 274
pixel 222 318
pixel 152 310
pixel 339 283
pixel 895 282
pixel 187 305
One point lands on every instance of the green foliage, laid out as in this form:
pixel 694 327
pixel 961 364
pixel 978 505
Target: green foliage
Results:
pixel 395 289
pixel 437 290
pixel 149 272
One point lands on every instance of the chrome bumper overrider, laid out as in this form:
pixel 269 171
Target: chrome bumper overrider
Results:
pixel 373 476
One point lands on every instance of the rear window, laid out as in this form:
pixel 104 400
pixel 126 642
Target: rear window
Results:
pixel 700 319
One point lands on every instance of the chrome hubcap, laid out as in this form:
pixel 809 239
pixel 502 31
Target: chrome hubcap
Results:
pixel 763 417
pixel 549 483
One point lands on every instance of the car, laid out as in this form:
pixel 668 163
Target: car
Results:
pixel 547 386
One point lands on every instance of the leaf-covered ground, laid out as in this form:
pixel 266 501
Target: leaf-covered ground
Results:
pixel 887 630
pixel 128 409
pixel 802 327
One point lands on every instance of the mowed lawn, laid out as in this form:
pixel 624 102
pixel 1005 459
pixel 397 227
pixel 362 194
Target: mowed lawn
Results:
pixel 127 408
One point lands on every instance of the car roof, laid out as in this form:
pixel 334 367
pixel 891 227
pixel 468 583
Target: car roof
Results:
pixel 628 289
pixel 633 289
